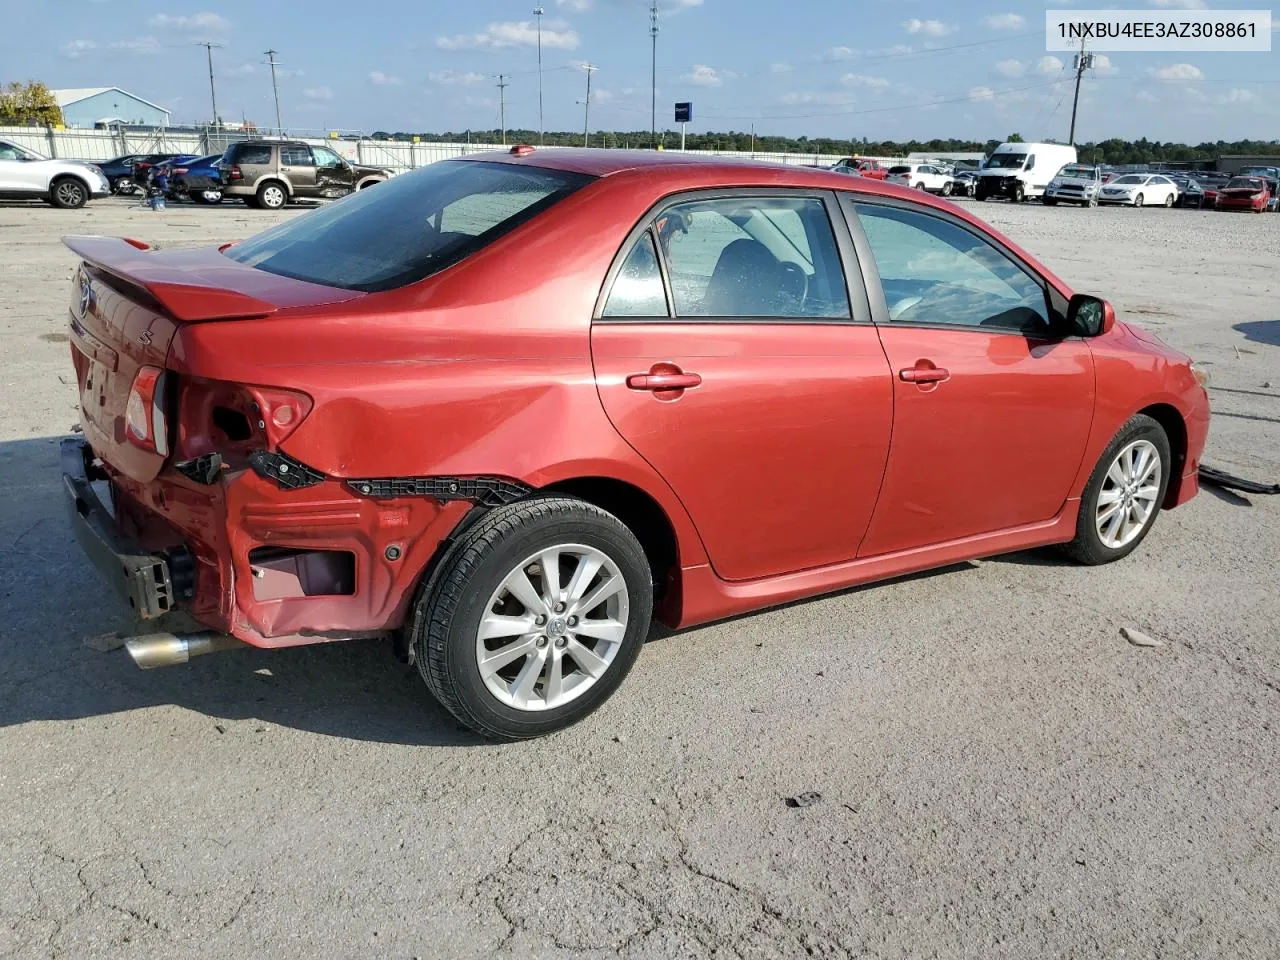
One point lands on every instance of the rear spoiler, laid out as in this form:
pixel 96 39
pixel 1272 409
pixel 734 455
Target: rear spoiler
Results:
pixel 185 294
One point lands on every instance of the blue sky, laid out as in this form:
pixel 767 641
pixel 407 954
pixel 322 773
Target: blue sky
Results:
pixel 843 68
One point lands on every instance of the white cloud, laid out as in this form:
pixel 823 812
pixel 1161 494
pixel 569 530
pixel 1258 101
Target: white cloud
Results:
pixel 837 54
pixel 243 70
pixel 1180 4
pixel 556 35
pixel 776 68
pixel 673 6
pixel 930 28
pixel 1146 96
pixel 142 45
pixel 1006 21
pixel 77 48
pixel 1177 71
pixel 318 93
pixel 704 76
pixel 604 96
pixel 454 77
pixel 1011 68
pixel 1049 66
pixel 1103 66
pixel 577 6
pixel 378 78
pixel 1239 95
pixel 981 93
pixel 194 22
pixel 862 80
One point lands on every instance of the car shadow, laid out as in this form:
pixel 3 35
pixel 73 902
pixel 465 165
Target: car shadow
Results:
pixel 53 601
pixel 1260 331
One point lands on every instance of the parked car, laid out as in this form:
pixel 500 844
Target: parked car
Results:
pixel 27 175
pixel 1271 175
pixel 142 167
pixel 1190 192
pixel 270 173
pixel 1019 171
pixel 964 183
pixel 1074 183
pixel 1244 193
pixel 397 415
pixel 1139 189
pixel 921 176
pixel 119 172
pixel 198 180
pixel 863 166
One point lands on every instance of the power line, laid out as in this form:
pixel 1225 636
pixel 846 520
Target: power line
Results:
pixel 590 68
pixel 502 105
pixel 213 96
pixel 271 55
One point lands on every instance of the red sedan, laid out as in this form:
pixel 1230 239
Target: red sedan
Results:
pixel 506 409
pixel 1244 193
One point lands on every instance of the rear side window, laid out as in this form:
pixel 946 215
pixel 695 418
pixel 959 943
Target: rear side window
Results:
pixel 251 154
pixel 296 156
pixel 412 226
pixel 638 290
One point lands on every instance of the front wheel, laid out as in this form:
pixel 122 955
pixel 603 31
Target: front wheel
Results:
pixel 1168 201
pixel 1137 201
pixel 1123 494
pixel 1018 194
pixel 534 617
pixel 947 189
pixel 69 193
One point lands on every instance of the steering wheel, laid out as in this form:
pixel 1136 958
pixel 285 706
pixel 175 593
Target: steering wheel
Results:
pixel 794 282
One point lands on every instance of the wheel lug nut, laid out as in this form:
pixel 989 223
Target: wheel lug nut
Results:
pixel 560 643
pixel 573 621
pixel 559 608
pixel 540 619
pixel 540 642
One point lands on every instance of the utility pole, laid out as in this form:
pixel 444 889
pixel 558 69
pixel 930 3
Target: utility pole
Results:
pixel 537 13
pixel 502 105
pixel 213 96
pixel 653 75
pixel 1083 62
pixel 590 68
pixel 271 58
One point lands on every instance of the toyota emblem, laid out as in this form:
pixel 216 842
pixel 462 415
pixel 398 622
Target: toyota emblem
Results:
pixel 86 295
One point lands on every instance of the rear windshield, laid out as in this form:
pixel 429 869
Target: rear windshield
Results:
pixel 1240 183
pixel 897 171
pixel 409 227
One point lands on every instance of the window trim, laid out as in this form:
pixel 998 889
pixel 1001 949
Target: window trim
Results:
pixel 1055 303
pixel 848 261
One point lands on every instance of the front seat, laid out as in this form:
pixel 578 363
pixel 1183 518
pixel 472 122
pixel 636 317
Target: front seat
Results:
pixel 745 279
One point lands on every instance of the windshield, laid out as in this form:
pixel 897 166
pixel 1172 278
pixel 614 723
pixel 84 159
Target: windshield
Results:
pixel 1077 171
pixel 408 228
pixel 1006 161
pixel 1265 171
pixel 1240 183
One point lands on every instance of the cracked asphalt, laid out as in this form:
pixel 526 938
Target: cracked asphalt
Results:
pixel 1001 774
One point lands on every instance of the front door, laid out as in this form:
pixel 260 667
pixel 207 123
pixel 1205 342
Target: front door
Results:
pixel 992 408
pixel 732 355
pixel 334 176
pixel 298 165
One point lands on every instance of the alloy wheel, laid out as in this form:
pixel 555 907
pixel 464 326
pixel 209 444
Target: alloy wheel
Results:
pixel 1127 499
pixel 69 193
pixel 553 627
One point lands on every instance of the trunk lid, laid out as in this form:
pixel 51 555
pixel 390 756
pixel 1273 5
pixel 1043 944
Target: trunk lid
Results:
pixel 127 304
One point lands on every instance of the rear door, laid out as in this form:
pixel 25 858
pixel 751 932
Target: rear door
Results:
pixel 733 355
pixel 992 407
pixel 299 166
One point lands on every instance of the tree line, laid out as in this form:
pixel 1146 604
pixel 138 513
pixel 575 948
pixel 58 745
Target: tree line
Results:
pixel 1112 151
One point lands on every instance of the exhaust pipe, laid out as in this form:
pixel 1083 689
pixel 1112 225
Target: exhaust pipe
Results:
pixel 166 649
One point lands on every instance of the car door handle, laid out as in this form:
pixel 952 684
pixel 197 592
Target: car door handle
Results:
pixel 663 381
pixel 920 374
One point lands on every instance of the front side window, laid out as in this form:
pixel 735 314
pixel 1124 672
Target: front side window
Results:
pixel 935 272
pixel 752 257
pixel 9 152
pixel 411 227
pixel 326 158
pixel 637 290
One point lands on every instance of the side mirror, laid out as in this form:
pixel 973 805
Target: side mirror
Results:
pixel 1089 316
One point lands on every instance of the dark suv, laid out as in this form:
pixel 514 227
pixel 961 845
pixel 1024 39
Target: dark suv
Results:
pixel 270 173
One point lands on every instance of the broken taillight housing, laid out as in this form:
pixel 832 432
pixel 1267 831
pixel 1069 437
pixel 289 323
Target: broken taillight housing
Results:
pixel 144 419
pixel 234 419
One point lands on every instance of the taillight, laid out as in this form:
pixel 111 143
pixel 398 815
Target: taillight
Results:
pixel 144 421
pixel 235 173
pixel 177 170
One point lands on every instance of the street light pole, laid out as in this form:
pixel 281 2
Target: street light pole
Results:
pixel 537 13
pixel 653 75
pixel 271 57
pixel 502 105
pixel 213 96
pixel 586 108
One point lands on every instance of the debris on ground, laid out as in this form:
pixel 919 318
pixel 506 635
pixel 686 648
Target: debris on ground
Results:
pixel 1139 639
pixel 1221 478
pixel 105 642
pixel 806 799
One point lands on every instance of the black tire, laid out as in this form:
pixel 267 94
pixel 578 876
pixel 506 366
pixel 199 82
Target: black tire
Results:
pixel 1018 194
pixel 947 189
pixel 1138 200
pixel 1087 547
pixel 1092 203
pixel 1168 201
pixel 199 197
pixel 272 195
pixel 449 608
pixel 69 193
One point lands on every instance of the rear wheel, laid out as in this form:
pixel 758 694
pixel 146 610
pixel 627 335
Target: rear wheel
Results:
pixel 207 197
pixel 272 196
pixel 68 193
pixel 1123 494
pixel 534 617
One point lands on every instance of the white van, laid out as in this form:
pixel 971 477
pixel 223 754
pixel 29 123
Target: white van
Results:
pixel 1019 171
